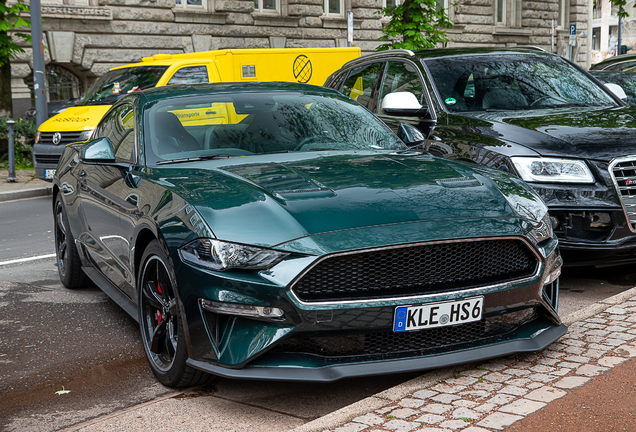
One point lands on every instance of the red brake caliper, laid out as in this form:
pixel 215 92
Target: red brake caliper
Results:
pixel 158 311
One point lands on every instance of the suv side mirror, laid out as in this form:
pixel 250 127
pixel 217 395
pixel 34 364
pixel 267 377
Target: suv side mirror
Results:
pixel 410 135
pixel 617 90
pixel 402 104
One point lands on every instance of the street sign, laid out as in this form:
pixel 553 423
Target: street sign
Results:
pixel 572 29
pixel 572 40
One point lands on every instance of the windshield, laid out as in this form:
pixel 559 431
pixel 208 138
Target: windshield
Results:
pixel 120 82
pixel 255 123
pixel 624 79
pixel 513 82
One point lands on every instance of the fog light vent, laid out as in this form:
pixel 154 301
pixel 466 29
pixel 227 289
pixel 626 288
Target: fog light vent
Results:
pixel 551 294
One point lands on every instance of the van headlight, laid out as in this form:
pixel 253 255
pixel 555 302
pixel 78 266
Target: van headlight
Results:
pixel 85 135
pixel 219 255
pixel 552 170
pixel 541 230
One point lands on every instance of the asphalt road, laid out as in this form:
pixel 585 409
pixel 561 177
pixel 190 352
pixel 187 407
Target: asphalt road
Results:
pixel 54 339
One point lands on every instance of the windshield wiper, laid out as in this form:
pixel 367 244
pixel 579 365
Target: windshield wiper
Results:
pixel 197 158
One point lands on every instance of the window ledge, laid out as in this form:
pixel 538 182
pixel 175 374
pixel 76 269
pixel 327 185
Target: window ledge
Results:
pixel 78 12
pixel 273 19
pixel 199 16
pixel 333 22
pixel 511 31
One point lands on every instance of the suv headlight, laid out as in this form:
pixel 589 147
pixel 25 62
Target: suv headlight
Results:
pixel 86 134
pixel 552 170
pixel 220 255
pixel 542 230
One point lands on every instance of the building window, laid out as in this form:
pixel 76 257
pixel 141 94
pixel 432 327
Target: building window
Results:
pixel 562 21
pixel 192 4
pixel 508 13
pixel 390 3
pixel 334 7
pixel 501 12
pixel 267 6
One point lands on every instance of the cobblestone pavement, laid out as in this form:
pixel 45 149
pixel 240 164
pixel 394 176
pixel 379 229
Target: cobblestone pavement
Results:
pixel 493 395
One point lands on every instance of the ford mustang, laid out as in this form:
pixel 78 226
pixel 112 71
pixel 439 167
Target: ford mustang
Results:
pixel 281 231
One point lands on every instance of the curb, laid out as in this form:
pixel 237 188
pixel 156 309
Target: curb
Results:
pixel 371 403
pixel 26 193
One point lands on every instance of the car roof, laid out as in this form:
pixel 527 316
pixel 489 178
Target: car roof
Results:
pixel 613 60
pixel 183 90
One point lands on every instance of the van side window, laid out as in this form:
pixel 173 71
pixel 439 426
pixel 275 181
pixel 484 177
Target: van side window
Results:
pixel 402 77
pixel 359 85
pixel 190 75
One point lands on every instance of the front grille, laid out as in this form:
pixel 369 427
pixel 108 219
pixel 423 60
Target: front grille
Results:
pixel 67 137
pixel 47 159
pixel 414 270
pixel 624 174
pixel 391 343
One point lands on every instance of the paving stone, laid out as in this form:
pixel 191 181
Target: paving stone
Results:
pixel 591 370
pixel 484 408
pixel 571 382
pixel 411 403
pixel 369 419
pixel 445 398
pixel 430 419
pixel 424 394
pixel 598 346
pixel 513 390
pixel 501 399
pixel 554 354
pixel 400 426
pixel 384 410
pixel 465 403
pixel 475 393
pixel 520 382
pixel 615 310
pixel 534 385
pixel 403 413
pixel 462 381
pixel 611 361
pixel 351 427
pixel 495 365
pixel 547 361
pixel 617 329
pixel 454 424
pixel 594 339
pixel 596 320
pixel 568 365
pixel 475 429
pixel 516 372
pixel 496 377
pixel 613 342
pixel 522 407
pixel 599 331
pixel 475 373
pixel 577 359
pixel 487 386
pixel 542 369
pixel 433 429
pixel 628 350
pixel 466 413
pixel 436 408
pixel 574 342
pixel 545 394
pixel 520 364
pixel 445 388
pixel 594 353
pixel 542 377
pixel 622 336
pixel 574 350
pixel 499 420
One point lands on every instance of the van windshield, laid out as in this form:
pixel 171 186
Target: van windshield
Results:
pixel 513 82
pixel 118 83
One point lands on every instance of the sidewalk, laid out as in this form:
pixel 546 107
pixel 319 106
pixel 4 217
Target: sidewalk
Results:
pixel 26 186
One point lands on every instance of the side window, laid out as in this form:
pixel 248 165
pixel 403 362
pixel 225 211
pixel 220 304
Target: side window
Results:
pixel 402 77
pixel 119 128
pixel 190 75
pixel 359 85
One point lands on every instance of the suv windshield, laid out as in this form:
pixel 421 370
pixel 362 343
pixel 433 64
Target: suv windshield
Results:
pixel 254 123
pixel 119 82
pixel 513 82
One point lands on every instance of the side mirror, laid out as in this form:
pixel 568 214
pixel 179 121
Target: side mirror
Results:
pixel 617 90
pixel 98 150
pixel 402 104
pixel 410 135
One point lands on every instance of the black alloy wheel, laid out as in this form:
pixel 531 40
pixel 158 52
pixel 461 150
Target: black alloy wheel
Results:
pixel 161 322
pixel 69 265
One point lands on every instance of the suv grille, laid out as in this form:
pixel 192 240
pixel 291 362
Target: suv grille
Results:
pixel 386 343
pixel 624 174
pixel 47 159
pixel 67 137
pixel 414 270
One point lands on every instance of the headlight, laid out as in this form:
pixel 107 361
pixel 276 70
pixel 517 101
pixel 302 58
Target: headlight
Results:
pixel 37 137
pixel 552 170
pixel 219 255
pixel 542 230
pixel 86 135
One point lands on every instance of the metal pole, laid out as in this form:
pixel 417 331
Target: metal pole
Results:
pixel 12 178
pixel 620 33
pixel 39 81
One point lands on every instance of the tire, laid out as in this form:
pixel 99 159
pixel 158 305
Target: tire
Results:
pixel 69 265
pixel 161 322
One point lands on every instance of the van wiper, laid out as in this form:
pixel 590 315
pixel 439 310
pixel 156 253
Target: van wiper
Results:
pixel 197 158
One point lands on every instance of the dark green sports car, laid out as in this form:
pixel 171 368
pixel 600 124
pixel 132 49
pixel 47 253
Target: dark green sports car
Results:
pixel 281 231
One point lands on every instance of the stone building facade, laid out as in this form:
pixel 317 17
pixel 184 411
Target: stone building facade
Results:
pixel 85 38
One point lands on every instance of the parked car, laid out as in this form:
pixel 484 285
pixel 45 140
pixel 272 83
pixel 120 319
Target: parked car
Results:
pixel 622 63
pixel 281 231
pixel 526 112
pixel 76 123
pixel 626 80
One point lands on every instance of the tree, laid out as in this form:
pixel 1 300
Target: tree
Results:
pixel 415 24
pixel 10 21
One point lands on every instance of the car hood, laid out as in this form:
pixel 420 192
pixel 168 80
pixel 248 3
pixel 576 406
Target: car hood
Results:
pixel 273 199
pixel 596 134
pixel 75 118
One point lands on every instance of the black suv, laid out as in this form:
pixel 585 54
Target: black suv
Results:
pixel 523 111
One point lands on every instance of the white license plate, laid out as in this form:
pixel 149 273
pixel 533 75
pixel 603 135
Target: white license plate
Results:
pixel 438 314
pixel 48 174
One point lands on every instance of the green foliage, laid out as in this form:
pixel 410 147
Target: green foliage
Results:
pixel 415 24
pixel 23 138
pixel 11 20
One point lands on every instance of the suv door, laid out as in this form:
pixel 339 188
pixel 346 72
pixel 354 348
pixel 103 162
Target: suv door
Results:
pixel 362 82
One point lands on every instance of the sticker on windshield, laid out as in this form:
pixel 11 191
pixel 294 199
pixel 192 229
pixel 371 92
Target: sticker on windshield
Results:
pixel 450 101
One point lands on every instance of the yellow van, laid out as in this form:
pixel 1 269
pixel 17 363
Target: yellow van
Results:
pixel 303 65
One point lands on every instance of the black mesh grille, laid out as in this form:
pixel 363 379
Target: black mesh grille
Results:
pixel 624 174
pixel 387 343
pixel 412 270
pixel 47 159
pixel 66 137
